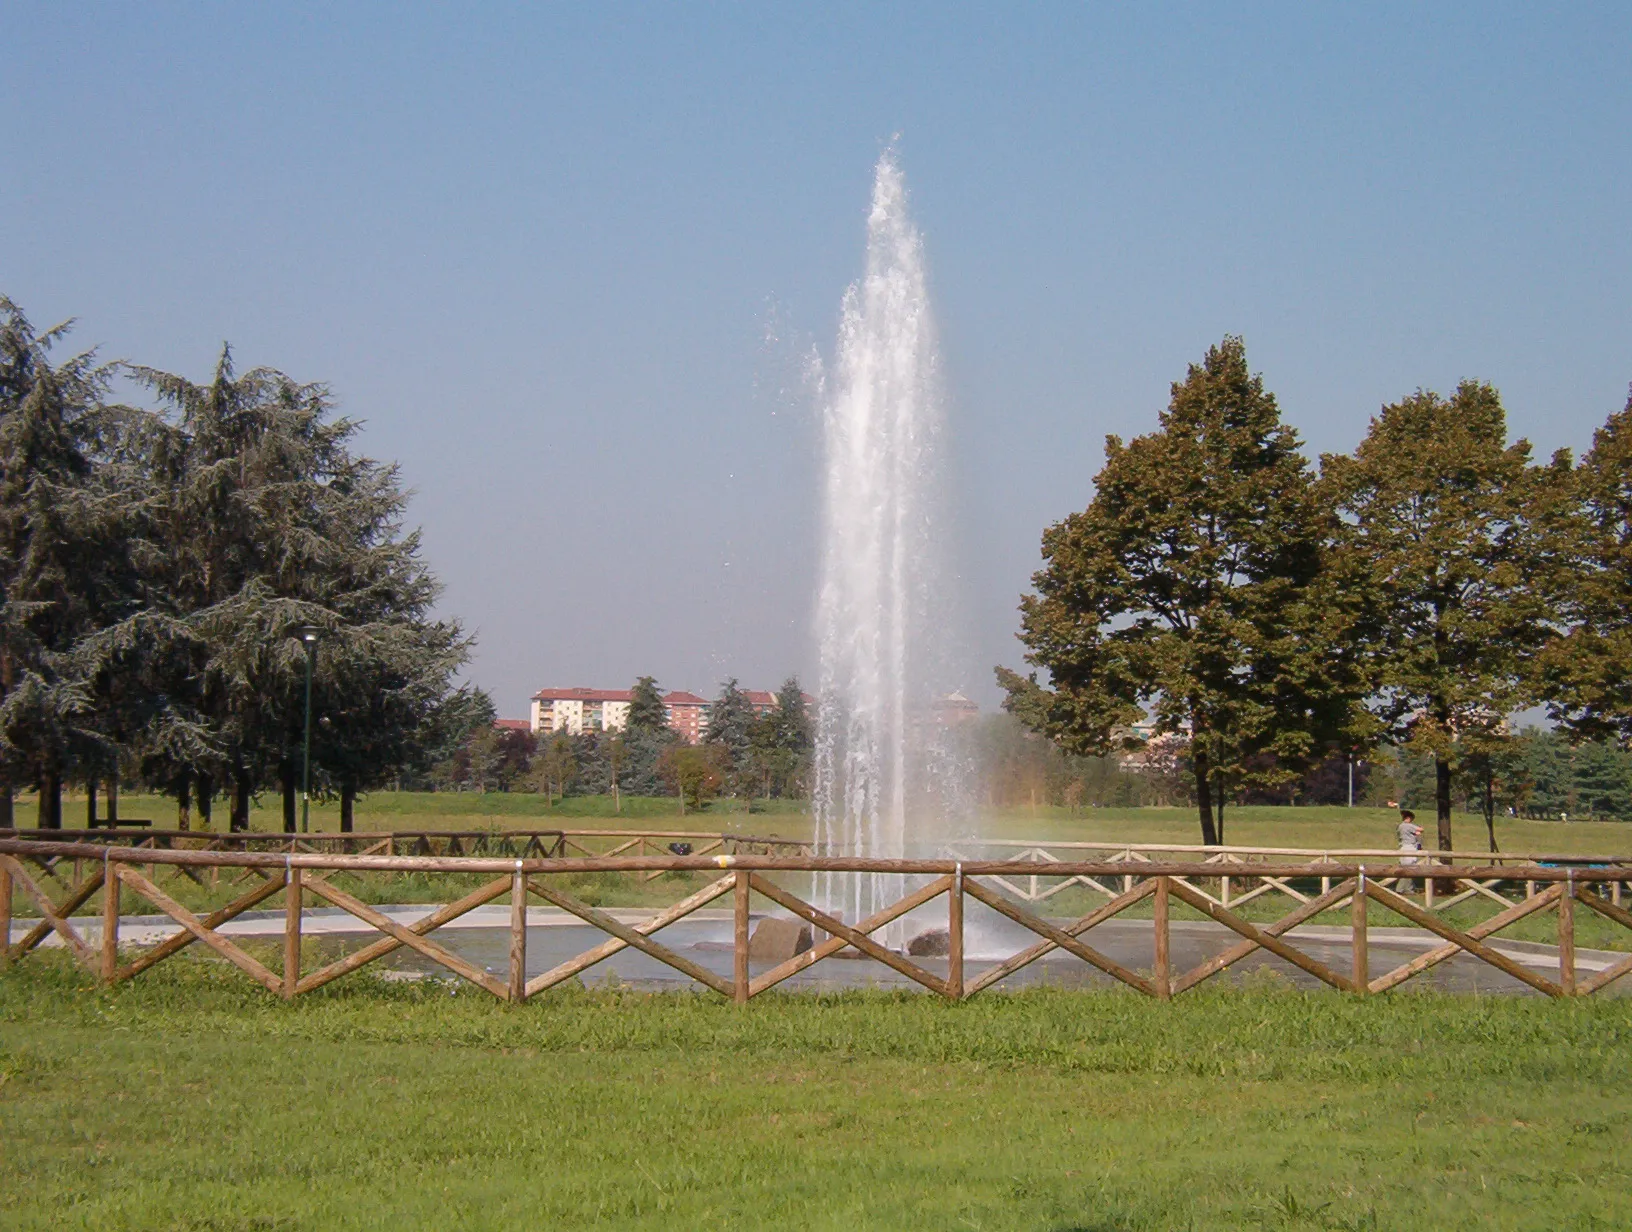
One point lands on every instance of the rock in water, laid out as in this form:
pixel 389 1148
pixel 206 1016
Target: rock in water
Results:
pixel 936 943
pixel 777 940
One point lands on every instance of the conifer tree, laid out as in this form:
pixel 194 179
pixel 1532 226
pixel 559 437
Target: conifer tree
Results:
pixel 263 521
pixel 730 729
pixel 647 737
pixel 781 742
pixel 646 709
pixel 62 561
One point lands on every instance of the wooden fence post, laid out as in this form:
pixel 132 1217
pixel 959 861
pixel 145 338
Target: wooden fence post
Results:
pixel 1163 970
pixel 1357 936
pixel 954 936
pixel 5 917
pixel 741 888
pixel 1566 938
pixel 518 935
pixel 110 920
pixel 291 930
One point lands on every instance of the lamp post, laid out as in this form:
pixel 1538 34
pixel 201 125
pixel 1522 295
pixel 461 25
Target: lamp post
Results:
pixel 308 637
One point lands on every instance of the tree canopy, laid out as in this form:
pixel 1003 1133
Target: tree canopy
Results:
pixel 1442 519
pixel 1192 589
pixel 1588 672
pixel 157 563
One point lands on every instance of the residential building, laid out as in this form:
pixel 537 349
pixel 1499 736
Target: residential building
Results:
pixel 688 714
pixel 580 710
pixel 955 709
pixel 763 702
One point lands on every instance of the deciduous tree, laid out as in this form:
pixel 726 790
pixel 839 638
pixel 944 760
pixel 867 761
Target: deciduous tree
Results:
pixel 1444 522
pixel 1588 671
pixel 1196 586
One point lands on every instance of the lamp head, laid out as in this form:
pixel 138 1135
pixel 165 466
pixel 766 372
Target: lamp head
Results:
pixel 308 634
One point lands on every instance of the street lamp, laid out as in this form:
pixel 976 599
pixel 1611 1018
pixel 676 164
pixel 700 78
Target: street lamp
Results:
pixel 308 635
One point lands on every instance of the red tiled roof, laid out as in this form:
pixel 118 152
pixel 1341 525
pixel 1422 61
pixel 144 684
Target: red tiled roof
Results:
pixel 681 698
pixel 761 698
pixel 583 695
pixel 512 725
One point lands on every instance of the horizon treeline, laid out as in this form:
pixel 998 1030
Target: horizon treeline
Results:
pixel 742 754
pixel 157 567
pixel 1548 777
pixel 1266 615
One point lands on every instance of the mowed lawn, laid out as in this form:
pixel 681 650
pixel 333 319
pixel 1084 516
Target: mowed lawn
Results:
pixel 1274 826
pixel 189 1099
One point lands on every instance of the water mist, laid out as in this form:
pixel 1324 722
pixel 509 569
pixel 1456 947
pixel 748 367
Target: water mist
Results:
pixel 888 784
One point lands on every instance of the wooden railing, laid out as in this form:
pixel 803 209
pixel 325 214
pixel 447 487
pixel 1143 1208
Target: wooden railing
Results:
pixel 115 871
pixel 1238 874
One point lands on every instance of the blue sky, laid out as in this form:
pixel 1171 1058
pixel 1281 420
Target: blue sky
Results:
pixel 539 250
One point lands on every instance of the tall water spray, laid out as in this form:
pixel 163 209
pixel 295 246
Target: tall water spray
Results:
pixel 885 780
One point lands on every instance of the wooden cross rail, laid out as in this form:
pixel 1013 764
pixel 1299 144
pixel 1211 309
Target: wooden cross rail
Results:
pixel 1235 876
pixel 298 874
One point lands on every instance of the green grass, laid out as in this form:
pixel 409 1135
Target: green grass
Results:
pixel 427 810
pixel 596 889
pixel 189 1099
pixel 1273 826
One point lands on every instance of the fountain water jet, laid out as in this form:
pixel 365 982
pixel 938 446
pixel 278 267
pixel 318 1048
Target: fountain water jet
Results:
pixel 886 781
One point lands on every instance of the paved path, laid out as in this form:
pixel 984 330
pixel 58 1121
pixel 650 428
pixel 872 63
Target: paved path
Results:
pixel 482 936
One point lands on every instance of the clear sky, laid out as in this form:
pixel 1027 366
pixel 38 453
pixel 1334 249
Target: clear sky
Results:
pixel 540 250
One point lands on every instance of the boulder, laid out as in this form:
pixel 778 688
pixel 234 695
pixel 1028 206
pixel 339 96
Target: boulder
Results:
pixel 777 940
pixel 936 943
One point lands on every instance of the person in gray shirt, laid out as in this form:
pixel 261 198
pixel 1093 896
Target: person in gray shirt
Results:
pixel 1410 842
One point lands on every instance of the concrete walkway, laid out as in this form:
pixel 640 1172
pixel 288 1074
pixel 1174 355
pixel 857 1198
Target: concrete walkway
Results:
pixel 149 930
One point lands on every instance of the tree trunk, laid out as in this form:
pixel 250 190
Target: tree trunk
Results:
pixel 184 802
pixel 1490 806
pixel 51 801
pixel 240 800
pixel 1442 800
pixel 206 800
pixel 1442 808
pixel 348 804
pixel 8 816
pixel 1218 805
pixel 113 798
pixel 286 780
pixel 1204 800
pixel 90 803
pixel 617 802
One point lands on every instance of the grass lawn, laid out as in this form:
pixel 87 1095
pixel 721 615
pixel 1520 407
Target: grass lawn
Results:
pixel 190 1099
pixel 1272 826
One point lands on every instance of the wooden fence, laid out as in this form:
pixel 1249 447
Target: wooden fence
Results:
pixel 297 876
pixel 1240 872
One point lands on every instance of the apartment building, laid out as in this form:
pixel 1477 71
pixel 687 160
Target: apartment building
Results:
pixel 688 714
pixel 576 711
pixel 579 710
